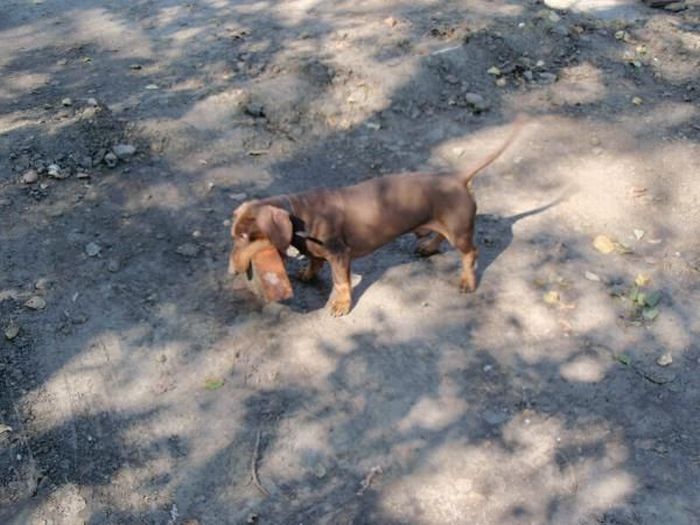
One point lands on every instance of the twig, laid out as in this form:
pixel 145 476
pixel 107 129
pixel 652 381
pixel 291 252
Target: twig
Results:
pixel 374 471
pixel 254 466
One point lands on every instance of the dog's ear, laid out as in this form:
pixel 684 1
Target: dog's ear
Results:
pixel 275 223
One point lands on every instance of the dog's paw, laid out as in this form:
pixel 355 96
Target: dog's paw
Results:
pixel 467 284
pixel 339 307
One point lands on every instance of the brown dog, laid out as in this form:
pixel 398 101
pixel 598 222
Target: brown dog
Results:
pixel 338 225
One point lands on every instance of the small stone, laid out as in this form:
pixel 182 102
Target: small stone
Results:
pixel 42 284
pixel 391 21
pixel 11 331
pixel 83 175
pixel 67 102
pixel 255 110
pixel 548 78
pixel 92 249
pixel 187 250
pixel 620 35
pixel 676 7
pixel 35 303
pixel 501 82
pixel 30 177
pixel 592 276
pixel 638 234
pixel 597 151
pixel 320 470
pixel 152 87
pixel 496 72
pixel 553 17
pixel 637 101
pixel 113 265
pixel 477 102
pixel 528 75
pixel 665 359
pixel 238 196
pixel 135 67
pixel 560 30
pixel 54 170
pixel 92 102
pixel 124 151
pixel 110 159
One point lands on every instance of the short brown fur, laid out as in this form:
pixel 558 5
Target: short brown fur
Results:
pixel 342 224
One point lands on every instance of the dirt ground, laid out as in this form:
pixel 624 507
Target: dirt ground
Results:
pixel 141 384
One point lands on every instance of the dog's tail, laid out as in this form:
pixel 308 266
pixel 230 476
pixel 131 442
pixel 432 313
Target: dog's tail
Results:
pixel 467 176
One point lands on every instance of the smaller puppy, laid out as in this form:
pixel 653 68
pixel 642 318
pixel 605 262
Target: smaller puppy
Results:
pixel 338 225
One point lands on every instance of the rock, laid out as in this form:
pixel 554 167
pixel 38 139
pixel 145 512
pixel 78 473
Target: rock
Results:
pixel 477 102
pixel 638 234
pixel 187 250
pixel 547 78
pixel 92 249
pixel 152 87
pixel 501 82
pixel 255 110
pixel 35 303
pixel 496 72
pixel 665 359
pixel 110 159
pixel 42 284
pixel 238 196
pixel 528 75
pixel 135 67
pixel 83 175
pixel 11 331
pixel 113 265
pixel 560 30
pixel 320 470
pixel 30 177
pixel 592 276
pixel 54 170
pixel 124 151
pixel 676 7
pixel 67 102
pixel 92 102
pixel 637 101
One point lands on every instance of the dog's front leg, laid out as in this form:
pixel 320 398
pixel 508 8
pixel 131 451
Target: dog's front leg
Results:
pixel 341 297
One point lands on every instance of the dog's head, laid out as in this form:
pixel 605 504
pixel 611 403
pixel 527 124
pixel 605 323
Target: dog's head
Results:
pixel 257 225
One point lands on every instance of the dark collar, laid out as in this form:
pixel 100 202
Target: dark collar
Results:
pixel 299 234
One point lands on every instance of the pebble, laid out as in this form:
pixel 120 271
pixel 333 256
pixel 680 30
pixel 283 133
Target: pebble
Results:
pixel 124 151
pixel 496 72
pixel 528 75
pixel 560 30
pixel 637 101
pixel 638 234
pixel 113 265
pixel 54 170
pixel 187 250
pixel 11 331
pixel 592 276
pixel 110 160
pixel 92 102
pixel 92 249
pixel 238 196
pixel 30 177
pixel 676 7
pixel 501 82
pixel 255 110
pixel 548 78
pixel 83 175
pixel 477 102
pixel 35 303
pixel 67 102
pixel 151 87
pixel 42 284
pixel 665 359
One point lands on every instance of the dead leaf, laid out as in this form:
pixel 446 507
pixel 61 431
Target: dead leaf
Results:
pixel 604 244
pixel 213 383
pixel 551 297
pixel 642 280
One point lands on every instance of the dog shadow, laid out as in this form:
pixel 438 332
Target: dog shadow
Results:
pixel 494 234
